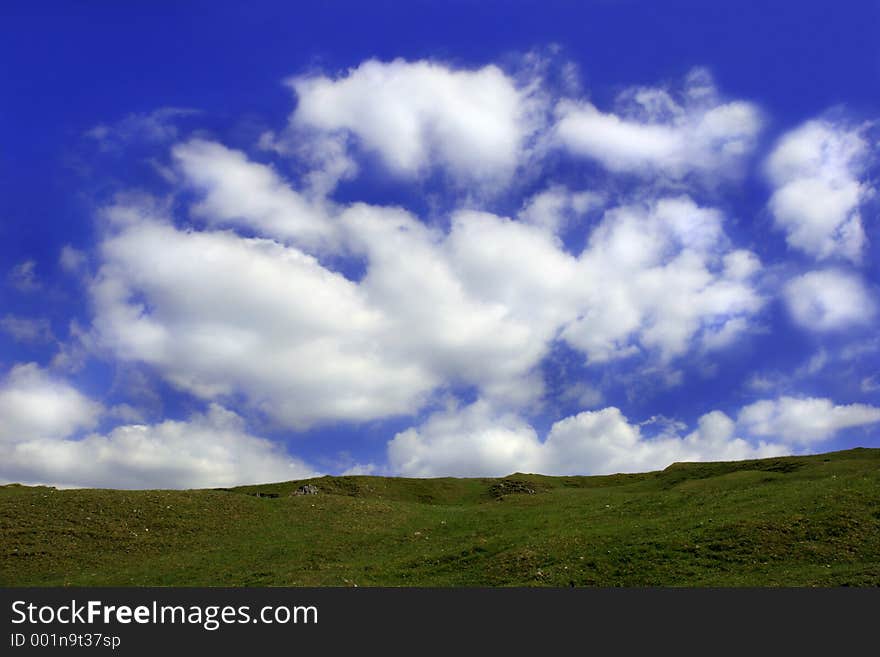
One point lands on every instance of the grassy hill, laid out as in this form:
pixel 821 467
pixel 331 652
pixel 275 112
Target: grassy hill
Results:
pixel 802 521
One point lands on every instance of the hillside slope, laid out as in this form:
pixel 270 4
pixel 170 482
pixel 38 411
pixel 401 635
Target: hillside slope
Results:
pixel 802 521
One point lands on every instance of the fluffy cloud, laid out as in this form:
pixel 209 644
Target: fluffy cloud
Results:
pixel 241 193
pixel 314 311
pixel 470 442
pixel 816 171
pixel 803 420
pixel 477 441
pixel 448 303
pixel 207 450
pixel 556 207
pixel 42 415
pixel 34 405
pixel 828 300
pixel 657 275
pixel 660 134
pixel 220 315
pixel 474 123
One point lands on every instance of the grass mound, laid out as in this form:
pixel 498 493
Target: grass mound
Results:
pixel 793 521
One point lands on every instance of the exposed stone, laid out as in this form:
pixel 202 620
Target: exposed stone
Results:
pixel 510 486
pixel 306 489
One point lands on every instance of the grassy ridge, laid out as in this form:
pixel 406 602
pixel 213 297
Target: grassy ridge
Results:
pixel 802 521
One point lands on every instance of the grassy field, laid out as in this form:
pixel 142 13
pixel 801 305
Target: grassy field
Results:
pixel 794 521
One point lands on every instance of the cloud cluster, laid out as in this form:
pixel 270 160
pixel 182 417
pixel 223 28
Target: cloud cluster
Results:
pixel 804 420
pixel 829 300
pixel 35 405
pixel 220 315
pixel 658 133
pixel 242 194
pixel 817 170
pixel 252 286
pixel 42 415
pixel 415 115
pixel 479 441
pixel 482 125
pixel 658 276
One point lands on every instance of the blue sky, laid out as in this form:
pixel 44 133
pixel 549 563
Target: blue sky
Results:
pixel 434 238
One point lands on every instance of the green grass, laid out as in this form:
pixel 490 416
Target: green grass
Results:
pixel 793 521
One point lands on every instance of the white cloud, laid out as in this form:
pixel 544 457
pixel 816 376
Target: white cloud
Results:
pixel 36 405
pixel 313 311
pixel 478 441
pixel 604 442
pixel 655 133
pixel 241 193
pixel 207 450
pixel 470 442
pixel 287 322
pixel 328 156
pixel 446 299
pixel 803 420
pixel 42 415
pixel 655 276
pixel 556 207
pixel 416 114
pixel 362 470
pixel 816 170
pixel 220 315
pixel 829 300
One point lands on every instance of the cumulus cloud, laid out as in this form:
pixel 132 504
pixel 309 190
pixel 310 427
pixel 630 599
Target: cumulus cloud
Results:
pixel 437 292
pixel 816 170
pixel 656 132
pixel 556 207
pixel 803 420
pixel 312 311
pixel 42 415
pixel 221 315
pixel 829 300
pixel 479 441
pixel 658 275
pixel 473 123
pixel 241 193
pixel 470 442
pixel 206 450
pixel 36 405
